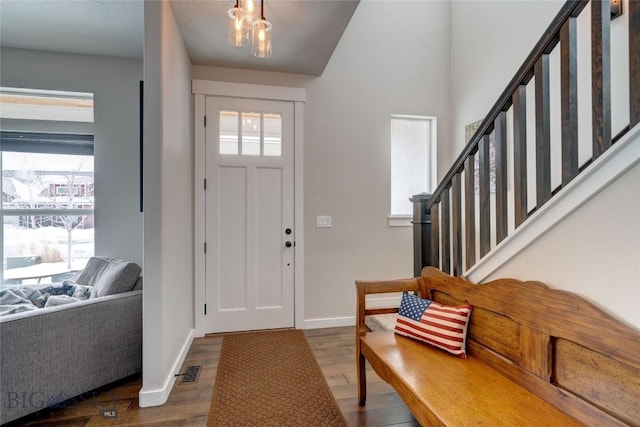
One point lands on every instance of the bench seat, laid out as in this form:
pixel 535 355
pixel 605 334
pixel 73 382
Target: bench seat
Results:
pixel 536 356
pixel 439 384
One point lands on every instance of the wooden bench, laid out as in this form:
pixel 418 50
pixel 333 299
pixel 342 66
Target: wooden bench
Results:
pixel 537 356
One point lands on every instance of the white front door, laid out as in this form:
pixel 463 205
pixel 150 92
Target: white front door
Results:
pixel 249 214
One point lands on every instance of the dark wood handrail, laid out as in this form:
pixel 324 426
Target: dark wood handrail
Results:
pixel 545 45
pixel 439 217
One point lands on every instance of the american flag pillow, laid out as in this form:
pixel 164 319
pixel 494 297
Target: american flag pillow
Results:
pixel 442 326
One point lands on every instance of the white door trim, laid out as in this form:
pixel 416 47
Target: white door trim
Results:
pixel 200 89
pixel 242 90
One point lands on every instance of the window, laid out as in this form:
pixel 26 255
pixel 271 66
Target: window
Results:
pixel 413 163
pixel 47 185
pixel 260 133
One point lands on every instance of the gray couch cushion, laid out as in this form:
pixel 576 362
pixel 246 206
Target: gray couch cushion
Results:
pixel 109 276
pixel 138 284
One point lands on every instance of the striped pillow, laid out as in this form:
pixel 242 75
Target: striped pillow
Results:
pixel 442 326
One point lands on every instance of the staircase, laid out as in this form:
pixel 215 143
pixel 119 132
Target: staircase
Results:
pixel 530 165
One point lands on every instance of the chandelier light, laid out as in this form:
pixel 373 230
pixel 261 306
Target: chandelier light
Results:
pixel 242 27
pixel 261 40
pixel 249 13
pixel 237 31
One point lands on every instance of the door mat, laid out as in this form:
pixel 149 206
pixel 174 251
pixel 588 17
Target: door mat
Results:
pixel 271 378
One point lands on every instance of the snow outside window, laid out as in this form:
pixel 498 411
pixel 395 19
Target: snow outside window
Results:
pixel 47 172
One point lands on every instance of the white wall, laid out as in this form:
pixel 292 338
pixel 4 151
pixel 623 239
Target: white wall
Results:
pixel 388 61
pixel 114 83
pixel 177 186
pixel 489 42
pixel 595 252
pixel 168 204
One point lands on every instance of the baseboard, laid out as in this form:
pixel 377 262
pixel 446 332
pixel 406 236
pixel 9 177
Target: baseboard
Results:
pixel 329 322
pixel 335 322
pixel 157 397
pixel 385 302
pixel 617 160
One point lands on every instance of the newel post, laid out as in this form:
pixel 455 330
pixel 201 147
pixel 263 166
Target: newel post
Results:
pixel 421 233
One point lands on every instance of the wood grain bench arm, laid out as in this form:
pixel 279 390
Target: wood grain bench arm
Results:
pixel 369 287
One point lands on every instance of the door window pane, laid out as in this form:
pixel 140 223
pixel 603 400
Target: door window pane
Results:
pixel 251 128
pixel 228 132
pixel 272 135
pixel 260 133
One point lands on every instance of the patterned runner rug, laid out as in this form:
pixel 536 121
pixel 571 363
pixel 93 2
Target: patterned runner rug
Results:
pixel 271 378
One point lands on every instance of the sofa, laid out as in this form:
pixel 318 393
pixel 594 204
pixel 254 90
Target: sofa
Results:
pixel 56 353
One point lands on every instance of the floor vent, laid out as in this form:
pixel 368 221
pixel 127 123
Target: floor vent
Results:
pixel 191 374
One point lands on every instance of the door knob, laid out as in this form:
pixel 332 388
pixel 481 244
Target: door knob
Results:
pixel 288 244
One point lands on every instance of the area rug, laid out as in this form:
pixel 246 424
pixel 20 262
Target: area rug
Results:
pixel 271 378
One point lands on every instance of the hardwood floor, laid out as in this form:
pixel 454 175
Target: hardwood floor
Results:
pixel 188 404
pixel 334 349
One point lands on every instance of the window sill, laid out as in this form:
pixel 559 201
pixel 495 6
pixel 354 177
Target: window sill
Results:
pixel 400 220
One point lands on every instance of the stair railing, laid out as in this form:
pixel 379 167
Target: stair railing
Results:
pixel 439 220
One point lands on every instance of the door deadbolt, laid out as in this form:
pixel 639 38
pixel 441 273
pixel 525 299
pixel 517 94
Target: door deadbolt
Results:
pixel 287 231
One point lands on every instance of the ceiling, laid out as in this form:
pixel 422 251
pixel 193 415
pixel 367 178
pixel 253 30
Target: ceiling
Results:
pixel 305 32
pixel 93 27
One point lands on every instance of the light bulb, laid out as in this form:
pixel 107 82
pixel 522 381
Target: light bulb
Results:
pixel 261 43
pixel 237 35
pixel 249 7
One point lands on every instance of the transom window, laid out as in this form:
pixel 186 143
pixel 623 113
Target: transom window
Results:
pixel 248 133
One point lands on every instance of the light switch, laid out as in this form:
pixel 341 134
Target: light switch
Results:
pixel 323 221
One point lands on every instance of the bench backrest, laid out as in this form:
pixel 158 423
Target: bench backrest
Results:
pixel 552 342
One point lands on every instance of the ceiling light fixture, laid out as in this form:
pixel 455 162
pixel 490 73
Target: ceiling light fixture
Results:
pixel 237 30
pixel 261 40
pixel 242 27
pixel 249 9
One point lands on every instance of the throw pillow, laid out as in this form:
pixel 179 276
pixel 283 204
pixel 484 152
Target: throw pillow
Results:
pixel 81 292
pixel 118 276
pixel 442 326
pixel 108 276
